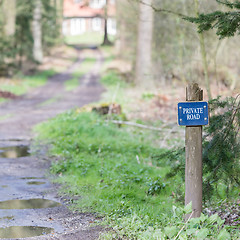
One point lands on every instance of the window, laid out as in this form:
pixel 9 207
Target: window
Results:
pixel 77 1
pixel 78 26
pixel 97 3
pixel 96 24
pixel 64 27
pixel 112 26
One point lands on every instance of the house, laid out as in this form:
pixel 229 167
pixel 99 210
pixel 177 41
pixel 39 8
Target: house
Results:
pixel 82 16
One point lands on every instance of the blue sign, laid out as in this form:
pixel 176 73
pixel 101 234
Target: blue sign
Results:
pixel 193 113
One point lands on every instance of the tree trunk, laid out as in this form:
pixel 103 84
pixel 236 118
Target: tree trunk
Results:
pixel 122 40
pixel 143 76
pixel 9 8
pixel 37 31
pixel 106 41
pixel 59 14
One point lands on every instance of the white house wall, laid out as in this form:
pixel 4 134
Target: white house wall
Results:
pixel 78 26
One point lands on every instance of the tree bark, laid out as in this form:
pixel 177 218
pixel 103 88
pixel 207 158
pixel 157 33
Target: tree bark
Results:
pixel 9 8
pixel 106 40
pixel 37 31
pixel 143 75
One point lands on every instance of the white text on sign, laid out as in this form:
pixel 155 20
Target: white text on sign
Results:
pixel 193 113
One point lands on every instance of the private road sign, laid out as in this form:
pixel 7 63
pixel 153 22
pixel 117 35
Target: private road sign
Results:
pixel 193 113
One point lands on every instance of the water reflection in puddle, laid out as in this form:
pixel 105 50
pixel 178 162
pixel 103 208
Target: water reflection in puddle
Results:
pixel 23 232
pixel 28 204
pixel 7 218
pixel 14 152
pixel 31 178
pixel 35 183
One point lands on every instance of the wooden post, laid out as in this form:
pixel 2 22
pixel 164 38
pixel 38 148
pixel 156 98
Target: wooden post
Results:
pixel 193 167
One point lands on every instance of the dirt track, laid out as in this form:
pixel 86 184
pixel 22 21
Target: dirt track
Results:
pixel 18 118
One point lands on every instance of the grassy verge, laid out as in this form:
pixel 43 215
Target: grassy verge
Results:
pixel 87 38
pixel 86 66
pixel 110 168
pixel 21 84
pixel 6 116
pixel 113 172
pixel 117 173
pixel 116 87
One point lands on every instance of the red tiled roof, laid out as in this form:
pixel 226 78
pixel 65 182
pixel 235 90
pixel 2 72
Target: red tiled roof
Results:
pixel 71 9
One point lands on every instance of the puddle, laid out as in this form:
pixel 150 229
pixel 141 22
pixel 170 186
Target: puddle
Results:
pixel 28 204
pixel 7 218
pixel 35 183
pixel 24 232
pixel 31 178
pixel 14 152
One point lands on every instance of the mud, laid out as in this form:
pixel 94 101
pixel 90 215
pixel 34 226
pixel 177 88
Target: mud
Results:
pixel 17 171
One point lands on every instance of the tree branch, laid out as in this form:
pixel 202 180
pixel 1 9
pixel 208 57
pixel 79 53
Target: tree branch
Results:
pixel 162 10
pixel 141 125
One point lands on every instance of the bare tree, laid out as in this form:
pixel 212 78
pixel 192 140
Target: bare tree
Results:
pixel 37 31
pixel 106 40
pixel 143 75
pixel 9 8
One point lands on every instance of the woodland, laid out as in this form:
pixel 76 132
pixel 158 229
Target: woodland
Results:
pixel 128 164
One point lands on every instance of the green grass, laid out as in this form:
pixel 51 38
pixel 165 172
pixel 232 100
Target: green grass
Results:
pixel 113 172
pixel 71 84
pixel 92 38
pixel 116 87
pixel 21 84
pixel 49 101
pixel 112 79
pixel 85 67
pixel 6 116
pixel 107 166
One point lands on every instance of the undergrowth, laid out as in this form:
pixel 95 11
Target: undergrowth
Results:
pixel 21 84
pixel 114 174
pixel 221 152
pixel 111 170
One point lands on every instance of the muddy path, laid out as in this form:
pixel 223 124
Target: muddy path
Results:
pixel 30 206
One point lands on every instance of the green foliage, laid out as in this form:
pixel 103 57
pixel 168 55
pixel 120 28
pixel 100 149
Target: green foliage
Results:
pixel 18 47
pixel 148 95
pixel 23 40
pixel 112 79
pixel 107 166
pixel 50 24
pixel 156 186
pixel 114 173
pixel 221 151
pixel 170 227
pixel 71 84
pixel 21 84
pixel 222 145
pixel 226 23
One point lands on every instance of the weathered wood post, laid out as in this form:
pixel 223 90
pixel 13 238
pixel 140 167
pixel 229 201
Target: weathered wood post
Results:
pixel 193 167
pixel 193 114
